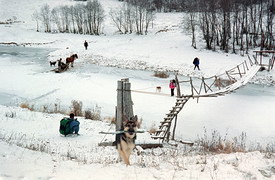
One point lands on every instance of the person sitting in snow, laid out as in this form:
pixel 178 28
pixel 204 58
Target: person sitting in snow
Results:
pixel 74 124
pixel 61 65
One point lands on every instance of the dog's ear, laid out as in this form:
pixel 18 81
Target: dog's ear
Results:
pixel 134 118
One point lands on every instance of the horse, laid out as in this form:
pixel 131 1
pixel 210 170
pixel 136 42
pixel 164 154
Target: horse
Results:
pixel 71 60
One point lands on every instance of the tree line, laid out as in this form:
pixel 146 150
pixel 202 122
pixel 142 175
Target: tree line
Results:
pixel 232 24
pixel 80 18
pixel 132 17
pixel 228 25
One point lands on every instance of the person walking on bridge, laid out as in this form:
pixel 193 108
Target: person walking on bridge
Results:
pixel 196 62
pixel 172 86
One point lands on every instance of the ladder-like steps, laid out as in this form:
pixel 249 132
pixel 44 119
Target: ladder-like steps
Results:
pixel 165 125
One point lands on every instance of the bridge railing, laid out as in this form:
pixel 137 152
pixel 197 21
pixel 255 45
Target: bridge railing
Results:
pixel 207 86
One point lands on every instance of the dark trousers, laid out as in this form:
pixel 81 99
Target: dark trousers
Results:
pixel 75 129
pixel 196 65
pixel 172 92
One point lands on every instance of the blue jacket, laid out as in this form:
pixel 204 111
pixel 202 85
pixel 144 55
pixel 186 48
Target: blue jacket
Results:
pixel 74 123
pixel 196 61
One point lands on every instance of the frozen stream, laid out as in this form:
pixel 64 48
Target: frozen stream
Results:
pixel 26 78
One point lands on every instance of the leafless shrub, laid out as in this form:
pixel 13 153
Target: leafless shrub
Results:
pixel 94 114
pixel 239 143
pixel 111 120
pixel 217 144
pixel 161 74
pixel 55 108
pixel 152 131
pixel 76 107
pixel 45 109
pixel 221 83
pixel 27 106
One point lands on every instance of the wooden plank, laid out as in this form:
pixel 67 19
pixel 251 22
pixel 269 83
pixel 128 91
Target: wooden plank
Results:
pixel 162 122
pixel 239 71
pixel 157 137
pixel 163 125
pixel 142 145
pixel 150 145
pixel 170 117
pixel 171 114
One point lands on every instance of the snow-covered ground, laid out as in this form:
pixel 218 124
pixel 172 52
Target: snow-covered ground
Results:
pixel 31 147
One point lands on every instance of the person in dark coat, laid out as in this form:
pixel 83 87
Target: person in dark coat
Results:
pixel 172 86
pixel 196 62
pixel 74 124
pixel 86 44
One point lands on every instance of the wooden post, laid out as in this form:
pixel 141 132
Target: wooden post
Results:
pixel 124 107
pixel 191 83
pixel 255 58
pixel 272 64
pixel 177 85
pixel 127 100
pixel 174 129
pixel 269 64
pixel 246 65
pixel 119 107
pixel 239 71
pixel 218 81
pixel 204 86
pixel 251 62
pixel 261 58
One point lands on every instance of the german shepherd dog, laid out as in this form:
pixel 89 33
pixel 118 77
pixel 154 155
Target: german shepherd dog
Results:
pixel 126 141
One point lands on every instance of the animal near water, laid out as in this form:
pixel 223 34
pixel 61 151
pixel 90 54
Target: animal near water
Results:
pixel 52 63
pixel 71 59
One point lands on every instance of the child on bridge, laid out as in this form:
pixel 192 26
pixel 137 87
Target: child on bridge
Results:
pixel 172 86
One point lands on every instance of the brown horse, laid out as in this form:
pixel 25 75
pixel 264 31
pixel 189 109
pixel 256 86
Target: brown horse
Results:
pixel 71 60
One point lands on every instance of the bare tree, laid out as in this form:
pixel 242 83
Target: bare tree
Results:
pixel 117 18
pixel 79 17
pixel 136 13
pixel 269 25
pixel 191 21
pixel 65 18
pixel 56 18
pixel 36 17
pixel 95 16
pixel 45 16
